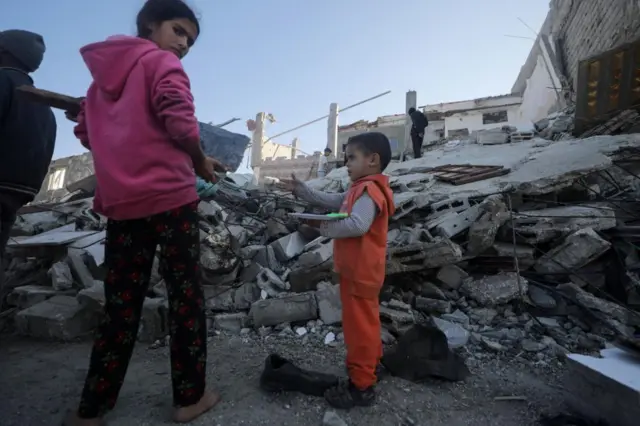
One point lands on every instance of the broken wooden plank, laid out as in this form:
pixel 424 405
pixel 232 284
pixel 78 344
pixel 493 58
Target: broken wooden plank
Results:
pixel 52 99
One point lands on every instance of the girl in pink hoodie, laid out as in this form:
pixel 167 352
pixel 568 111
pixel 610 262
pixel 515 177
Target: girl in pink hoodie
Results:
pixel 138 121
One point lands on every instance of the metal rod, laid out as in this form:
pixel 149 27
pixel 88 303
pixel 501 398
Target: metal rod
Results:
pixel 324 117
pixel 232 120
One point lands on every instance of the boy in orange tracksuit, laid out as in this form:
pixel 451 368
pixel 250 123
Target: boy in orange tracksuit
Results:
pixel 359 253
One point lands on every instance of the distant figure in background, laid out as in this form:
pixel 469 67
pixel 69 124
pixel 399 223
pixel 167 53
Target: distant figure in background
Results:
pixel 420 123
pixel 27 130
pixel 323 162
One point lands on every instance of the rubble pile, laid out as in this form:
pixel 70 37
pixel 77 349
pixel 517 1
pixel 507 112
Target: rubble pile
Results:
pixel 535 262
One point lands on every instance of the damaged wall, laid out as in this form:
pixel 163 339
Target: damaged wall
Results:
pixel 63 172
pixel 591 27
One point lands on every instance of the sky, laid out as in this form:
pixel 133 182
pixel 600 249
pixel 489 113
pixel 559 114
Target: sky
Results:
pixel 293 58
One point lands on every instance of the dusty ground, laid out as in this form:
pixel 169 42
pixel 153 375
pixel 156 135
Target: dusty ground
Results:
pixel 39 381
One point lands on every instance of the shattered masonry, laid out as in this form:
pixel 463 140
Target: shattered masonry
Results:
pixel 565 203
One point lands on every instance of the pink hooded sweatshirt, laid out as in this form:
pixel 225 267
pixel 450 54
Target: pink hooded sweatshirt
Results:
pixel 137 120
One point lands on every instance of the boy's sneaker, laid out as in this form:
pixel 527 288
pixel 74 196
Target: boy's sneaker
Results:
pixel 345 395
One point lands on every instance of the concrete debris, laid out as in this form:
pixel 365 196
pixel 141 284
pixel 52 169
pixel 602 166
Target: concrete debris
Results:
pixel 60 276
pixel 530 281
pixel 577 250
pixel 496 289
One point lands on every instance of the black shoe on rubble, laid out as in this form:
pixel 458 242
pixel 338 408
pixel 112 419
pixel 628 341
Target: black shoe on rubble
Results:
pixel 280 375
pixel 345 396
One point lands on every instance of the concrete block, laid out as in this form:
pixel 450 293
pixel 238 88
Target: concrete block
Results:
pixel 329 303
pixel 606 388
pixel 453 205
pixel 406 202
pixel 304 279
pixel 492 137
pixel 231 322
pixel 459 223
pixel 577 250
pixel 28 295
pixel 297 307
pixel 154 322
pixel 93 298
pixel 289 246
pixel 59 318
pixel 60 275
pixel 271 283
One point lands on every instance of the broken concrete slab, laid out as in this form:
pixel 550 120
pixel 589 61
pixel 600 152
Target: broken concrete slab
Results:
pixel 577 250
pixel 296 307
pixel 28 295
pixel 606 388
pixel 538 226
pixel 59 318
pixel 496 289
pixel 329 303
pixel 611 309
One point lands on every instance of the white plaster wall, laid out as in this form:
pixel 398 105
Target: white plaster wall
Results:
pixel 539 97
pixel 472 120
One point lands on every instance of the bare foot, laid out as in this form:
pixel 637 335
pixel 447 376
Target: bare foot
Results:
pixel 206 403
pixel 72 419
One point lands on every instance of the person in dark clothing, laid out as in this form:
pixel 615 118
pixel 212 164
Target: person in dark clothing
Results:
pixel 27 130
pixel 420 123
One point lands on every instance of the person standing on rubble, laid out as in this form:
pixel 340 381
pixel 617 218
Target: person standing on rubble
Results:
pixel 418 127
pixel 27 129
pixel 359 253
pixel 323 163
pixel 138 121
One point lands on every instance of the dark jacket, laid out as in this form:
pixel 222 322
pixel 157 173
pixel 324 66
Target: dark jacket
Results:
pixel 27 137
pixel 419 120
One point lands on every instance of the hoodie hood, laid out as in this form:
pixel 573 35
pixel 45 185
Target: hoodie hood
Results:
pixel 382 182
pixel 111 61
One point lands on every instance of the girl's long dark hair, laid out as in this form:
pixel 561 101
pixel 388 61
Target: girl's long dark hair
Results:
pixel 157 11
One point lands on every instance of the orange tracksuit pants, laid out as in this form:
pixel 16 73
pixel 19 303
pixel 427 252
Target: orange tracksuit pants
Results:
pixel 361 328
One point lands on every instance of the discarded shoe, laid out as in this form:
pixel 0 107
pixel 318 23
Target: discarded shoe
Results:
pixel 281 375
pixel 345 396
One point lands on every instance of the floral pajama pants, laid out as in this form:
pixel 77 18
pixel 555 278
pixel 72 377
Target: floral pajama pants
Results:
pixel 129 253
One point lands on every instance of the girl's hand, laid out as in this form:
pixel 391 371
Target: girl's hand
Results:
pixel 70 116
pixel 207 168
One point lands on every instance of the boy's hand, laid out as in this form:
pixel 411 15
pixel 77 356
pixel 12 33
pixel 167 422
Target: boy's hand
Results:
pixel 291 185
pixel 207 168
